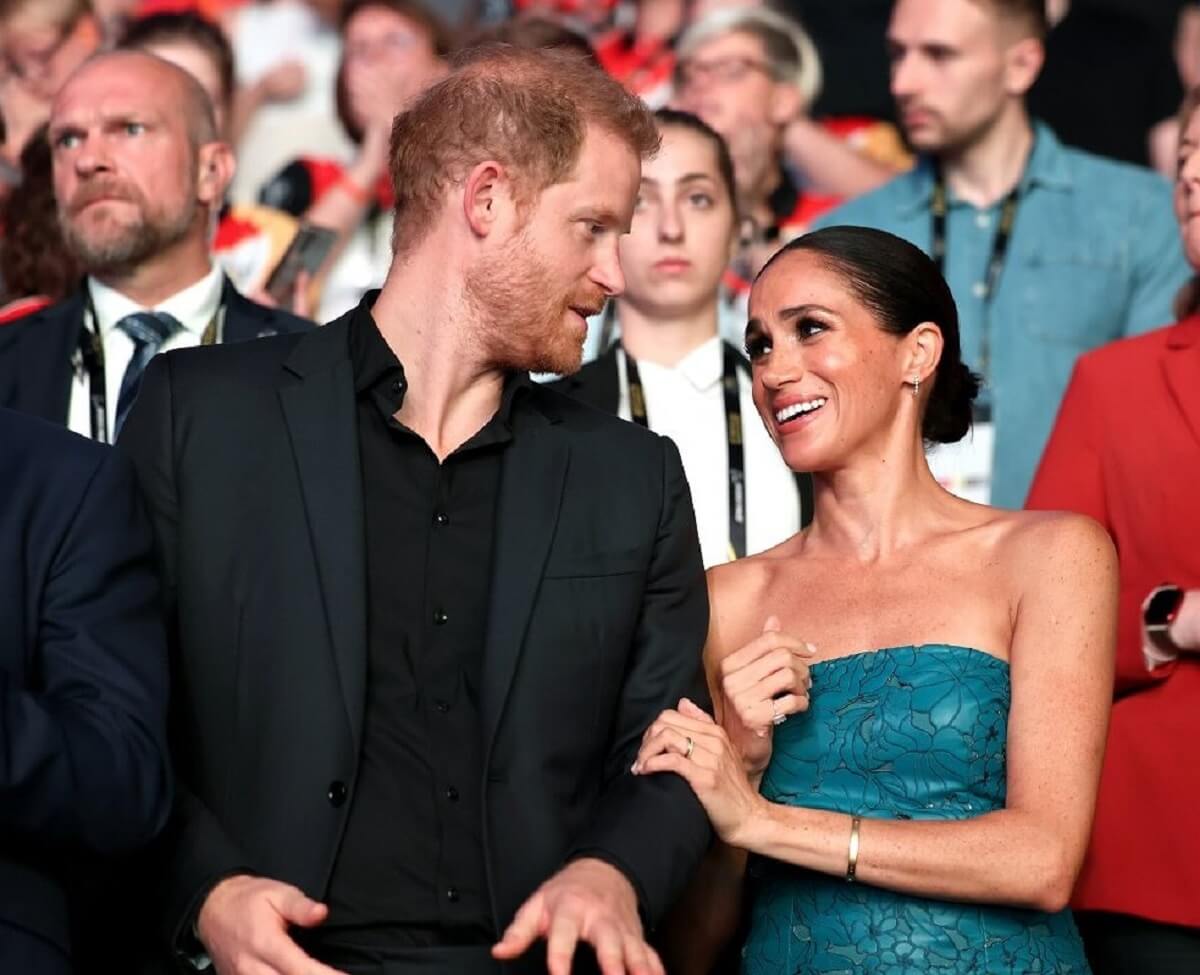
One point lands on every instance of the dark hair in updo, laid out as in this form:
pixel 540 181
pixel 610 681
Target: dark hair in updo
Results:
pixel 903 288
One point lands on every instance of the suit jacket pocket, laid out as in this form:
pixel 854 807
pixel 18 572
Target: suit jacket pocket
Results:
pixel 582 565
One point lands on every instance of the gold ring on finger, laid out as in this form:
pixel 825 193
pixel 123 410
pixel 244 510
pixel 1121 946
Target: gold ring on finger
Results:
pixel 691 745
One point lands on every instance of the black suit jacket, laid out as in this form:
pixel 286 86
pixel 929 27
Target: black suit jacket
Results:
pixel 598 384
pixel 248 457
pixel 36 351
pixel 83 678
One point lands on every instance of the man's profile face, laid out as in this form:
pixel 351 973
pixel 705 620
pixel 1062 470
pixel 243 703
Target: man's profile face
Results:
pixel 727 82
pixel 948 70
pixel 124 166
pixel 557 269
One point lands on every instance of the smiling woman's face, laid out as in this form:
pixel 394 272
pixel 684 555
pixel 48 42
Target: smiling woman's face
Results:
pixel 827 377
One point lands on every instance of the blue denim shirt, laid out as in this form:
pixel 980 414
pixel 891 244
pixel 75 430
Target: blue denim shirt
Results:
pixel 1094 256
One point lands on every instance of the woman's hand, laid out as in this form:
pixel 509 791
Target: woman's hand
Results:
pixel 691 744
pixel 763 683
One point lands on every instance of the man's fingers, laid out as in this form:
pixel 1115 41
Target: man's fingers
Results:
pixel 527 926
pixel 295 907
pixel 609 950
pixel 284 956
pixel 561 942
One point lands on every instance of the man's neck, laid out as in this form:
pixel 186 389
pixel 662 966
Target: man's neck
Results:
pixel 755 201
pixel 988 169
pixel 154 281
pixel 453 390
pixel 665 341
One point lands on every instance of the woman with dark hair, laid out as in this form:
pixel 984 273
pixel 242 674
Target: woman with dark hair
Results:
pixel 913 775
pixel 34 264
pixel 670 370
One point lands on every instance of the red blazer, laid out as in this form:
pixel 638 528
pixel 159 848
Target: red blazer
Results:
pixel 1126 450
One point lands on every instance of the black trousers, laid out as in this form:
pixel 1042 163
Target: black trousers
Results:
pixel 414 961
pixel 23 952
pixel 1120 944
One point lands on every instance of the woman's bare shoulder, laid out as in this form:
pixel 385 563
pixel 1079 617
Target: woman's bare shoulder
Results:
pixel 738 591
pixel 1037 546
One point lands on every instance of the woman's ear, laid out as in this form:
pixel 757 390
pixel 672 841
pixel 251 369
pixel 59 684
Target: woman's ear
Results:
pixel 923 352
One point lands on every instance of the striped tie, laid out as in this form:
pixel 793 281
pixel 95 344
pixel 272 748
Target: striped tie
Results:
pixel 148 330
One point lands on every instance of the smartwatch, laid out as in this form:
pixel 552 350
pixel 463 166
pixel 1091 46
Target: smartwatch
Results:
pixel 1158 613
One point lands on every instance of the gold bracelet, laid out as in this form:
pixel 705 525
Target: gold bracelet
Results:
pixel 852 856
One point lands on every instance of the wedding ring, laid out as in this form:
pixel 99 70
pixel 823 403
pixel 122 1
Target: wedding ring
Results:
pixel 776 718
pixel 691 744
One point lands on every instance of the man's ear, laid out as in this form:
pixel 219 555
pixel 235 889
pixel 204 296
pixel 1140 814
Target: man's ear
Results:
pixel 487 196
pixel 215 168
pixel 1023 63
pixel 786 103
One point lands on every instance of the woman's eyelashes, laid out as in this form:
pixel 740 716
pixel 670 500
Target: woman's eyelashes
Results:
pixel 758 344
pixel 807 328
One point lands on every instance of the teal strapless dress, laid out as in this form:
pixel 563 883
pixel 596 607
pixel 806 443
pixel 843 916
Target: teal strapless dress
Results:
pixel 900 733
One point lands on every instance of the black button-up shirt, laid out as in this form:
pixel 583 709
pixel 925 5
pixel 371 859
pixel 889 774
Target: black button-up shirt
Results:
pixel 410 870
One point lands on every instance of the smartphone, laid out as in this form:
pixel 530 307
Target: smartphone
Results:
pixel 306 252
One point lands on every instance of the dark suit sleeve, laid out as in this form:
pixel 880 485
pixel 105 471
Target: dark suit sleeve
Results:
pixel 652 827
pixel 194 851
pixel 84 758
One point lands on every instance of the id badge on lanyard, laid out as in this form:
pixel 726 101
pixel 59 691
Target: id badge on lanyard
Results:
pixel 966 468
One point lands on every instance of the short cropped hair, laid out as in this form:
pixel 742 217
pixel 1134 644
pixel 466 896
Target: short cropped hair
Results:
pixel 791 54
pixel 186 27
pixel 527 109
pixel 1030 13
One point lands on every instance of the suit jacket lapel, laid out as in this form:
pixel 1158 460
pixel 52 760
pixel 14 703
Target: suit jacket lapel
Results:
pixel 244 319
pixel 597 384
pixel 1182 366
pixel 531 490
pixel 320 412
pixel 38 353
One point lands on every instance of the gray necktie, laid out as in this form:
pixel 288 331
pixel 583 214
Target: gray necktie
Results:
pixel 148 330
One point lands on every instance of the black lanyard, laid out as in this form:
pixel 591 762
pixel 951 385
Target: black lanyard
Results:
pixel 1008 214
pixel 733 438
pixel 91 354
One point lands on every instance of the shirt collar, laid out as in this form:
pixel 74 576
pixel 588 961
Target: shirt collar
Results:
pixel 1048 166
pixel 374 364
pixel 703 367
pixel 194 307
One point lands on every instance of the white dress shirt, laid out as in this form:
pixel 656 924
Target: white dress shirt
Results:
pixel 195 308
pixel 686 402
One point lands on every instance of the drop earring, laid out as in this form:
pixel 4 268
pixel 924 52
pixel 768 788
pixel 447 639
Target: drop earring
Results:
pixel 916 385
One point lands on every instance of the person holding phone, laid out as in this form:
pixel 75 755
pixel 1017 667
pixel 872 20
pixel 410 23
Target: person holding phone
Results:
pixel 139 170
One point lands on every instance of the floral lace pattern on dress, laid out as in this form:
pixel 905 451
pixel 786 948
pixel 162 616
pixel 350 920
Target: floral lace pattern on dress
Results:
pixel 901 733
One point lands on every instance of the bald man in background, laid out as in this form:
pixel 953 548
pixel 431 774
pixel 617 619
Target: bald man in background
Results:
pixel 139 171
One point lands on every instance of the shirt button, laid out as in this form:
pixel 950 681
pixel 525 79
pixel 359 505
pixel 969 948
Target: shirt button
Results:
pixel 452 895
pixel 442 706
pixel 452 794
pixel 979 289
pixel 337 794
pixel 399 386
pixel 440 617
pixel 441 519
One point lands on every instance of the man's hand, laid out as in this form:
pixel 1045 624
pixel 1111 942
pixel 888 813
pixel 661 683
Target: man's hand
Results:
pixel 591 901
pixel 244 926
